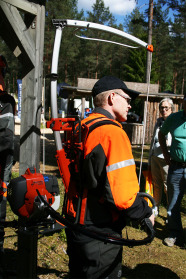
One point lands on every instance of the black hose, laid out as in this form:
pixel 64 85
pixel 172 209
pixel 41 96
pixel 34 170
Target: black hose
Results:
pixel 105 237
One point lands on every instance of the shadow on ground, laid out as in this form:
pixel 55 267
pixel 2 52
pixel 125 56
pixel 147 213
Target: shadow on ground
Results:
pixel 149 271
pixel 146 271
pixel 9 268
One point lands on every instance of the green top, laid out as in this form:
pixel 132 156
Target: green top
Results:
pixel 176 125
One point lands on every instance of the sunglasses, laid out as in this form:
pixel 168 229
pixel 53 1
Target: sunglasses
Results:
pixel 128 99
pixel 165 108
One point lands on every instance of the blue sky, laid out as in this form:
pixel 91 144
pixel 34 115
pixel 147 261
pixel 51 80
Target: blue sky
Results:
pixel 119 8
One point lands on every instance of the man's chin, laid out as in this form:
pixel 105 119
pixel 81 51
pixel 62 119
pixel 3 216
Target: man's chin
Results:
pixel 123 119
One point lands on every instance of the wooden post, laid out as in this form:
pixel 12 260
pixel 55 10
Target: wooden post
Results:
pixel 32 101
pixel 25 37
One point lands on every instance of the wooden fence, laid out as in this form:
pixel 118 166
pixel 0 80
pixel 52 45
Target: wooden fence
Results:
pixel 134 132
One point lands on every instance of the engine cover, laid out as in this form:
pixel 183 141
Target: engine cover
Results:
pixel 23 196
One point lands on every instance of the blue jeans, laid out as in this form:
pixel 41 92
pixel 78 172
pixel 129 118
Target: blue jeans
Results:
pixel 176 184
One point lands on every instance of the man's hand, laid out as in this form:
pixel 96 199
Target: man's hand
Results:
pixel 163 145
pixel 152 217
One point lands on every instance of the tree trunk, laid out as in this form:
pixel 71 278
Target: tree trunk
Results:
pixel 175 81
pixel 97 60
pixel 149 54
pixel 111 65
pixel 66 66
pixel 182 87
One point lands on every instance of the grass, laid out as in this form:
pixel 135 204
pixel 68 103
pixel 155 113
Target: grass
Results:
pixel 149 261
pixel 137 151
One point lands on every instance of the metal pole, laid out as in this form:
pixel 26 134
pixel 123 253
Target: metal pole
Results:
pixel 54 72
pixel 149 40
pixel 27 253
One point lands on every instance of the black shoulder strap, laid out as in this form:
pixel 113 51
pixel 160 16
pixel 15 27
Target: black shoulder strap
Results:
pixel 102 122
pixel 86 128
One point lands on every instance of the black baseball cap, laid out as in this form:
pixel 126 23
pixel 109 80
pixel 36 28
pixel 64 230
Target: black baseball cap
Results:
pixel 110 83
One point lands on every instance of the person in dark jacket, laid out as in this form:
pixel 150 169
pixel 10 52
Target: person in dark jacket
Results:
pixel 110 185
pixel 7 112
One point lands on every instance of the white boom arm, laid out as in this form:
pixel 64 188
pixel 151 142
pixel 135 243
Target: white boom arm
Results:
pixel 104 28
pixel 60 24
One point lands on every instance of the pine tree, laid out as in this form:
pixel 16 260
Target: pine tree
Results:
pixel 66 9
pixel 163 55
pixel 134 67
pixel 179 39
pixel 99 53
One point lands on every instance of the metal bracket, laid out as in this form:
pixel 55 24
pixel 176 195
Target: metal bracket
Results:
pixel 59 22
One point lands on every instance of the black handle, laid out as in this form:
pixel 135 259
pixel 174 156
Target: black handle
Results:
pixel 145 195
pixel 146 223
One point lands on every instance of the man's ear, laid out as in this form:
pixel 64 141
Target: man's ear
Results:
pixel 111 98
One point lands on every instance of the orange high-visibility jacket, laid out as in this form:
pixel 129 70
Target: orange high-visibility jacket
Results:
pixel 109 175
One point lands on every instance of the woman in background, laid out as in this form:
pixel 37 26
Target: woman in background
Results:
pixel 157 164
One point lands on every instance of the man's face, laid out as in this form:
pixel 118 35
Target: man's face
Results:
pixel 121 105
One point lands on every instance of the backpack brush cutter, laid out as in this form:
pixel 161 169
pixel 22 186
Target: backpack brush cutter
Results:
pixel 34 197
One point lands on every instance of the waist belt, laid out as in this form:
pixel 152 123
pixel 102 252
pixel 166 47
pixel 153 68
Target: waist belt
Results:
pixel 179 164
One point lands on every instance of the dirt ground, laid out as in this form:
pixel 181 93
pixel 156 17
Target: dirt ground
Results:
pixel 151 261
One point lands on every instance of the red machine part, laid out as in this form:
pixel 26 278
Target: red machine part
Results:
pixel 3 189
pixel 35 181
pixel 67 125
pixel 56 124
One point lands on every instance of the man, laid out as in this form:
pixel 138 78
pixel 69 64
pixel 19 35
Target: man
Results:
pixel 176 180
pixel 110 185
pixel 7 111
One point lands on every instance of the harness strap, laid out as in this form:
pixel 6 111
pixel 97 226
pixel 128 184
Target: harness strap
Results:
pixel 102 123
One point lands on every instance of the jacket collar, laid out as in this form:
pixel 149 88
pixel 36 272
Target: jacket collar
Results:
pixel 104 112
